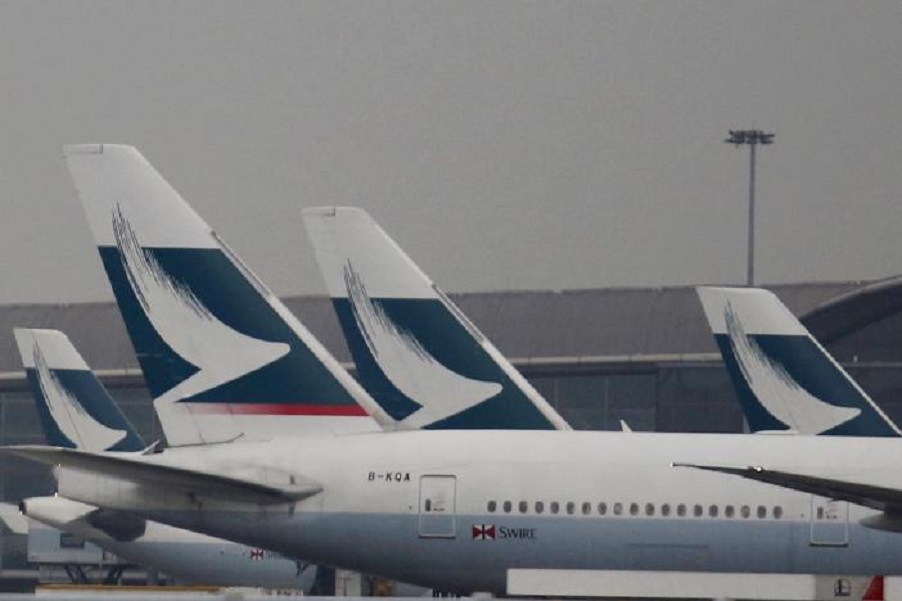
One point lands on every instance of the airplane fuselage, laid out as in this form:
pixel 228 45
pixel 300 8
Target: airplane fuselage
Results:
pixel 457 510
pixel 186 556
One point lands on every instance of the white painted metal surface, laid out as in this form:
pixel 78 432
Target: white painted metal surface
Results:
pixel 661 585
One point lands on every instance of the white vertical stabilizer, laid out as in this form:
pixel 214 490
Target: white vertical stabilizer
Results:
pixel 741 319
pixel 138 220
pixel 46 352
pixel 361 263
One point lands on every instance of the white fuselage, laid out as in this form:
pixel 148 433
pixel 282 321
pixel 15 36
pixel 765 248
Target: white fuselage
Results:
pixel 181 554
pixel 458 509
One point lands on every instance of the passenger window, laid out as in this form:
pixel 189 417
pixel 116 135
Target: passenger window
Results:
pixel 649 509
pixel 571 507
pixel 524 506
pixel 618 508
pixel 728 511
pixel 492 506
pixel 540 507
pixel 681 509
pixel 634 509
pixel 778 512
pixel 745 511
pixel 602 508
pixel 697 511
pixel 507 507
pixel 665 509
pixel 555 507
pixel 587 508
pixel 712 511
pixel 762 512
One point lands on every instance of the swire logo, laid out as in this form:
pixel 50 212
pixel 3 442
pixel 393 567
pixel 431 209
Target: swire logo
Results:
pixel 484 531
pixel 492 532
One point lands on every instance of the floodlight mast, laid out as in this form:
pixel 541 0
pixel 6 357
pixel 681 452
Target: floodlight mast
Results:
pixel 750 138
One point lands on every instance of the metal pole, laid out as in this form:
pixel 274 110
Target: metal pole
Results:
pixel 750 274
pixel 752 137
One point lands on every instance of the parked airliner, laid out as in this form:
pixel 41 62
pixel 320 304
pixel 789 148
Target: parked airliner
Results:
pixel 462 510
pixel 465 510
pixel 80 414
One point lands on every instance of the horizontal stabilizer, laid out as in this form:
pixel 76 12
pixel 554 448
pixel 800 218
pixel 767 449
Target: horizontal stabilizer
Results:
pixel 262 487
pixel 13 519
pixel 880 498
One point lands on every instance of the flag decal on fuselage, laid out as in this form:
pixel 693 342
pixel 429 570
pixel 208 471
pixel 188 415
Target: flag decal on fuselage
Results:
pixel 484 531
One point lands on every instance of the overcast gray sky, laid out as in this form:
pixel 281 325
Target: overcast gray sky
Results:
pixel 505 145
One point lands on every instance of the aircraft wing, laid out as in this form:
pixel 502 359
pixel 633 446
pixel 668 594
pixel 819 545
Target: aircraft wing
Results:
pixel 259 486
pixel 876 497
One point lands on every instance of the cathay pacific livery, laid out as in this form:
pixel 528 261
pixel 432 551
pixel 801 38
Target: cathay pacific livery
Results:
pixel 205 330
pixel 409 341
pixel 785 379
pixel 72 401
pixel 75 409
pixel 468 510
pixel 225 360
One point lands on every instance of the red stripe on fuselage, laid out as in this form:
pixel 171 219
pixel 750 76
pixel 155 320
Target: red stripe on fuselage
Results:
pixel 278 409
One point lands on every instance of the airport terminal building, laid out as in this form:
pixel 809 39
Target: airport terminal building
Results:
pixel 642 355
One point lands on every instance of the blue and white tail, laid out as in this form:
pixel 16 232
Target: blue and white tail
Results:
pixel 416 353
pixel 785 379
pixel 222 357
pixel 75 409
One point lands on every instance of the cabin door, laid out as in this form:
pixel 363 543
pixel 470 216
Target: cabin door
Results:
pixel 437 511
pixel 829 522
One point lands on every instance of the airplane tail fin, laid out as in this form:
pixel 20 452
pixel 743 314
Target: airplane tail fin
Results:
pixel 222 356
pixel 784 377
pixel 416 353
pixel 75 409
